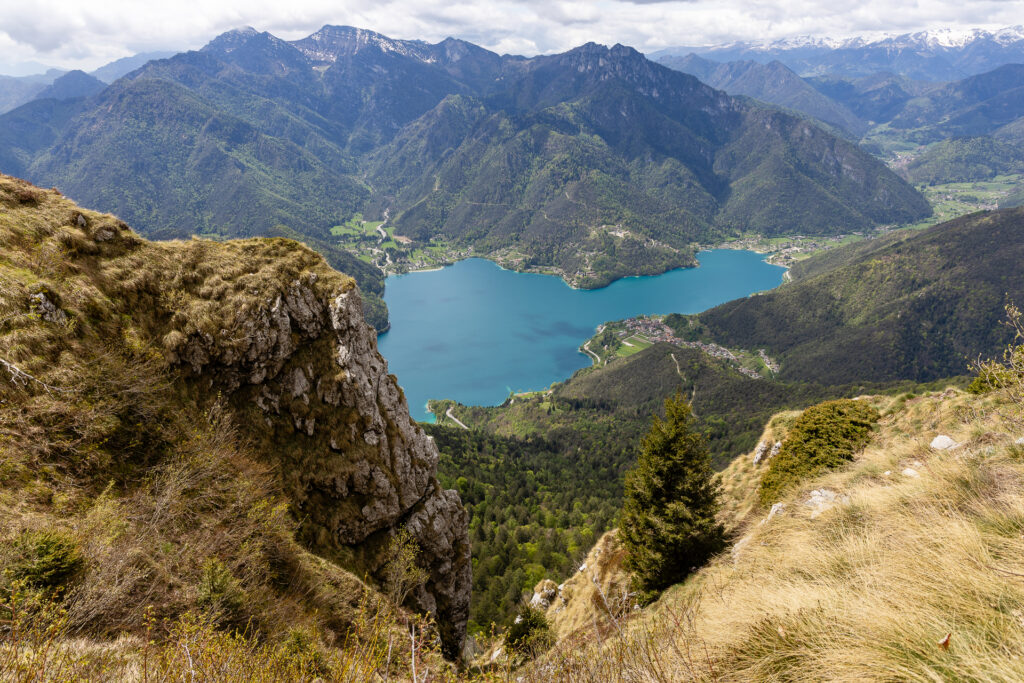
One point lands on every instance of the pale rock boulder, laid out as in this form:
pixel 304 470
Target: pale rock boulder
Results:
pixel 759 452
pixel 822 500
pixel 544 594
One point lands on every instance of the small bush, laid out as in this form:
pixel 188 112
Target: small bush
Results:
pixel 303 647
pixel 219 591
pixel 530 633
pixel 823 438
pixel 47 560
pixel 401 573
pixel 27 195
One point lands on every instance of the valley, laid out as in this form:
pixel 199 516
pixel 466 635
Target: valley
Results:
pixel 342 355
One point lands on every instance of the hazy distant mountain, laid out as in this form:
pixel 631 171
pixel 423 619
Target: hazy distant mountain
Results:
pixel 991 103
pixel 596 161
pixel 875 98
pixel 774 83
pixel 108 73
pixel 939 55
pixel 978 105
pixel 70 85
pixel 17 90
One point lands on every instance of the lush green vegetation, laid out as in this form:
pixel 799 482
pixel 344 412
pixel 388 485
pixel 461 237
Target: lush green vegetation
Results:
pixel 911 305
pixel 542 475
pixel 530 633
pixel 535 509
pixel 960 160
pixel 668 524
pixel 824 437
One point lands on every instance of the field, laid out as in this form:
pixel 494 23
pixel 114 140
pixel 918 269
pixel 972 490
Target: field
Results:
pixel 631 345
pixel 951 200
pixel 394 253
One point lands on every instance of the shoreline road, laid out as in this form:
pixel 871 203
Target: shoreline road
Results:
pixel 454 419
pixel 586 349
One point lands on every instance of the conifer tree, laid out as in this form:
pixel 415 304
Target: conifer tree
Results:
pixel 668 524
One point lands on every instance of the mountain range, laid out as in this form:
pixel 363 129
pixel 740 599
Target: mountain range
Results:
pixel 596 162
pixel 989 103
pixel 937 55
pixel 17 90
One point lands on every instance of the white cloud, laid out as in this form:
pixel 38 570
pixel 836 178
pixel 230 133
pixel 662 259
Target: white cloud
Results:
pixel 75 34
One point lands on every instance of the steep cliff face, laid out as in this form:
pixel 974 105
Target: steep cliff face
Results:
pixel 260 332
pixel 303 371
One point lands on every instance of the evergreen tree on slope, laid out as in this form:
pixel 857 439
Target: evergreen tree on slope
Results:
pixel 668 521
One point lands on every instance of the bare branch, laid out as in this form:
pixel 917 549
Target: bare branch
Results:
pixel 22 378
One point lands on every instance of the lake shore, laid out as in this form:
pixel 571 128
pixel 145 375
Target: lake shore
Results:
pixel 474 330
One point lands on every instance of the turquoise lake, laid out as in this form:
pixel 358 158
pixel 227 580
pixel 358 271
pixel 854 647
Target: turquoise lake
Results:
pixel 473 332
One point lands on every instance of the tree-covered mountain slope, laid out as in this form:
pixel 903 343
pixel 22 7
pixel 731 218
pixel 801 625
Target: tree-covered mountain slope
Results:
pixel 978 105
pixel 205 427
pixel 597 161
pixel 918 305
pixel 964 160
pixel 599 150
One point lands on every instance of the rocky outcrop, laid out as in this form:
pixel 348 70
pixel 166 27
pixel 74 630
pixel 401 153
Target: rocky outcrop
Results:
pixel 301 368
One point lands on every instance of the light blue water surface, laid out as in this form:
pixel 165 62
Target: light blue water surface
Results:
pixel 473 331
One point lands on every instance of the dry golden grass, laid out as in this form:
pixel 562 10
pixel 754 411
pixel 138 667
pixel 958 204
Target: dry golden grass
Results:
pixel 866 590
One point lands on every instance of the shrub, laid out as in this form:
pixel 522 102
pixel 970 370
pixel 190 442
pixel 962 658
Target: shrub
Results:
pixel 303 647
pixel 47 560
pixel 219 591
pixel 824 437
pixel 668 525
pixel 401 573
pixel 1007 375
pixel 530 633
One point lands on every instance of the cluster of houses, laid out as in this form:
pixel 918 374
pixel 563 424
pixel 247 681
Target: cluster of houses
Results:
pixel 657 331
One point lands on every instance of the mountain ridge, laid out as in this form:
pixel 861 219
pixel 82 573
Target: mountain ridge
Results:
pixel 256 124
pixel 940 55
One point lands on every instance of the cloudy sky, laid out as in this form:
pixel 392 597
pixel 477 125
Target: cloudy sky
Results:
pixel 77 34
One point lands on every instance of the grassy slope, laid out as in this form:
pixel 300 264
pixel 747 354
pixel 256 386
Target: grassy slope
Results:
pixel 861 591
pixel 171 508
pixel 542 476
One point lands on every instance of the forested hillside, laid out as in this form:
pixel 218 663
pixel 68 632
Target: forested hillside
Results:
pixel 542 476
pixel 917 305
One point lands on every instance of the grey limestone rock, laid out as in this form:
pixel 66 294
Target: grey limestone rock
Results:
pixel 47 310
pixel 352 461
